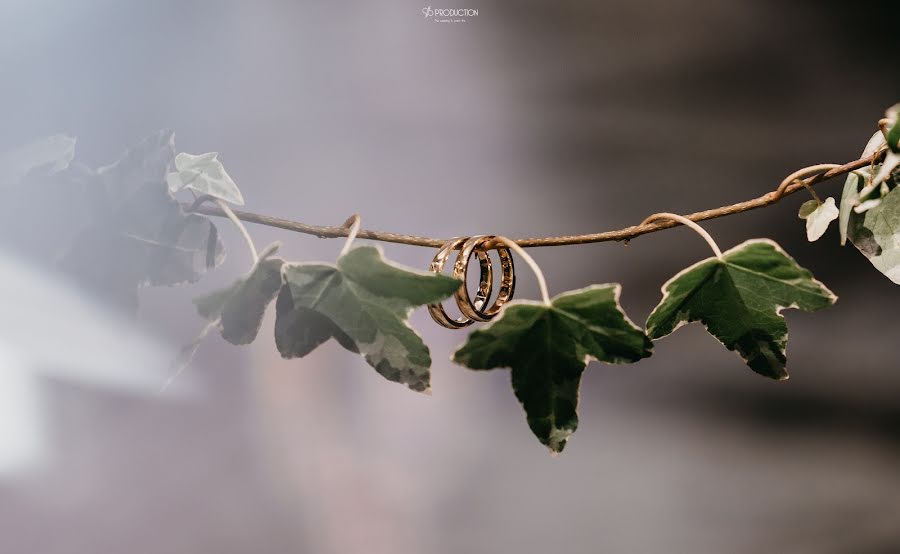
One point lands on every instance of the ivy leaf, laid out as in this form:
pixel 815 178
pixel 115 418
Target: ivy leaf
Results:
pixel 739 300
pixel 363 302
pixel 140 235
pixel 850 198
pixel 241 306
pixel 205 174
pixel 818 217
pixel 145 163
pixel 890 163
pixel 892 158
pixel 876 234
pixel 547 348
pixel 893 137
pixel 44 198
pixel 869 215
pixel 45 156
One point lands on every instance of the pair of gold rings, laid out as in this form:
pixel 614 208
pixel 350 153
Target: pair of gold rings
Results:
pixel 474 309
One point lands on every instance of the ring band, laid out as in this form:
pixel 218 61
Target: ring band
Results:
pixel 485 285
pixel 478 312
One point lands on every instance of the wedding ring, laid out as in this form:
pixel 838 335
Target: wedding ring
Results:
pixel 484 286
pixel 476 310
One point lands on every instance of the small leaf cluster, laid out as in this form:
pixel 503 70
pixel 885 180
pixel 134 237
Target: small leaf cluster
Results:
pixel 113 229
pixel 869 210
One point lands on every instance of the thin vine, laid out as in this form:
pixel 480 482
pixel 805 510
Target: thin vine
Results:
pixel 791 185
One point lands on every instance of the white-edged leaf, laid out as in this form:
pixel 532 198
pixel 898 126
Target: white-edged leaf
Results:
pixel 363 302
pixel 205 174
pixel 818 217
pixel 739 298
pixel 876 234
pixel 867 205
pixel 807 208
pixel 891 162
pixel 850 197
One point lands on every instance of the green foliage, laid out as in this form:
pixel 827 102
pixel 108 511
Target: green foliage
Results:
pixel 547 348
pixel 139 234
pixel 739 299
pixel 363 302
pixel 893 137
pixel 118 228
pixel 870 207
pixel 240 308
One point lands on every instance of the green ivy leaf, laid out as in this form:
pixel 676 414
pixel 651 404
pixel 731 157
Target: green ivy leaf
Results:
pixel 547 348
pixel 241 306
pixel 893 135
pixel 876 233
pixel 139 235
pixel 363 302
pixel 739 300
pixel 204 174
pixel 818 217
pixel 892 139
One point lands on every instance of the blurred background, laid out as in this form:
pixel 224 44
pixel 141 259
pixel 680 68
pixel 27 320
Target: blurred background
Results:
pixel 530 119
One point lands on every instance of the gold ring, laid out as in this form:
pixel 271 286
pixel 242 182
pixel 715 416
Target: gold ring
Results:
pixel 484 286
pixel 477 311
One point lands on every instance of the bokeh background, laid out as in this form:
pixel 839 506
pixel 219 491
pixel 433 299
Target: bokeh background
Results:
pixel 531 119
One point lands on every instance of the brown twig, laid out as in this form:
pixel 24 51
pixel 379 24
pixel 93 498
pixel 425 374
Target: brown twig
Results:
pixel 791 186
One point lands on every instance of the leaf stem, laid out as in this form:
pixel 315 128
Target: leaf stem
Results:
pixel 354 223
pixel 796 178
pixel 542 283
pixel 226 209
pixel 688 223
pixel 812 193
pixel 187 354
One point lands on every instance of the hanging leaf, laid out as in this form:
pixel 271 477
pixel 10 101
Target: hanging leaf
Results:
pixel 547 348
pixel 42 157
pixel 139 234
pixel 363 302
pixel 204 174
pixel 876 233
pixel 818 217
pixel 241 307
pixel 739 300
